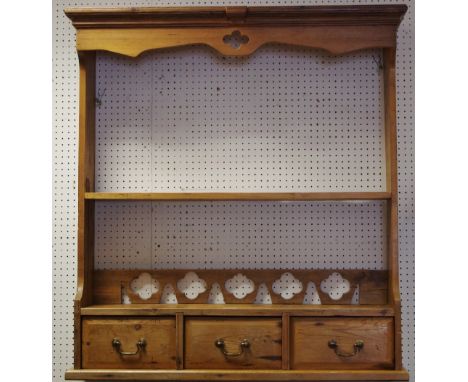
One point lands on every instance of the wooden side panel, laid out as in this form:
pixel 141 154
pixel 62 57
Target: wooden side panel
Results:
pixel 86 156
pixel 310 343
pixel 392 187
pixel 77 334
pixel 159 352
pixel 392 166
pixel 264 336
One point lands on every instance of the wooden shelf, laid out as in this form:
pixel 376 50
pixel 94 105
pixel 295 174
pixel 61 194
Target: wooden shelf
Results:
pixel 238 375
pixel 238 310
pixel 210 196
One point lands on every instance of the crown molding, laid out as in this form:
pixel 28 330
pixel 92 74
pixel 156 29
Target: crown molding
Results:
pixel 166 17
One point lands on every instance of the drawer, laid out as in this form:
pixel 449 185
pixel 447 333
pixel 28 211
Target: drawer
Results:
pixel 109 343
pixel 232 343
pixel 334 343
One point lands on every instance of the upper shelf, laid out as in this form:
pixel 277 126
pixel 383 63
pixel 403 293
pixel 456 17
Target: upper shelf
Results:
pixel 236 30
pixel 211 196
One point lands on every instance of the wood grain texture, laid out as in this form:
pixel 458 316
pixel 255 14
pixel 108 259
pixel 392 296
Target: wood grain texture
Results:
pixel 131 31
pixel 238 375
pixel 310 337
pixel 285 340
pixel 335 40
pixel 77 333
pixel 159 333
pixel 263 334
pixel 144 17
pixel 109 285
pixel 209 196
pixel 392 165
pixel 86 154
pixel 392 186
pixel 337 29
pixel 239 310
pixel 180 340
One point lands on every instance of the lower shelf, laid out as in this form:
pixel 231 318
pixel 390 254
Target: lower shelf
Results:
pixel 238 375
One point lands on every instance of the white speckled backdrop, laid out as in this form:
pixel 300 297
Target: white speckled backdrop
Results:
pixel 188 120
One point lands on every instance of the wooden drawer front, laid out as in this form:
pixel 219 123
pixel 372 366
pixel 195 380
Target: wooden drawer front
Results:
pixel 262 352
pixel 100 353
pixel 310 347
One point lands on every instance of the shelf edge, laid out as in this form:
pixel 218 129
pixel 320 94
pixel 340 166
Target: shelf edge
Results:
pixel 239 196
pixel 239 375
pixel 239 310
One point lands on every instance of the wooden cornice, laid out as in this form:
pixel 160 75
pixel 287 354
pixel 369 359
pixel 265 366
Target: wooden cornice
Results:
pixel 150 17
pixel 337 29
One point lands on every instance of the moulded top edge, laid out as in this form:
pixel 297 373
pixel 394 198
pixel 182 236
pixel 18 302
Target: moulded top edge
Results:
pixel 347 15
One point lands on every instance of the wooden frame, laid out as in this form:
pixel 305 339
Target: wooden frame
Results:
pixel 130 32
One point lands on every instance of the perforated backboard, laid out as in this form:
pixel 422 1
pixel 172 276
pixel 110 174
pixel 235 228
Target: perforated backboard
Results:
pixel 189 120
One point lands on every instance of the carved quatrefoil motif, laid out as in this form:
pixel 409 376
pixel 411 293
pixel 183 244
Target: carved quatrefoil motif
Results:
pixel 144 286
pixel 239 286
pixel 191 285
pixel 235 39
pixel 287 286
pixel 335 285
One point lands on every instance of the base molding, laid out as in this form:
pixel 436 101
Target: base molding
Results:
pixel 237 375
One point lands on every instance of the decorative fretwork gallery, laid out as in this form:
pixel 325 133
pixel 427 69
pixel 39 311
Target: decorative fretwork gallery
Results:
pixel 235 324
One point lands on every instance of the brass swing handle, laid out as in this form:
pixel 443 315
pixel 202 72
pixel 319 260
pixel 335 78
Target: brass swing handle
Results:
pixel 116 344
pixel 358 345
pixel 244 344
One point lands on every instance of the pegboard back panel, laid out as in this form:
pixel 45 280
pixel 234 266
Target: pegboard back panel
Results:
pixel 256 235
pixel 142 167
pixel 284 119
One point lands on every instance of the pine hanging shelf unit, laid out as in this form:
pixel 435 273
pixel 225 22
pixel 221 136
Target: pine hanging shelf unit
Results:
pixel 194 340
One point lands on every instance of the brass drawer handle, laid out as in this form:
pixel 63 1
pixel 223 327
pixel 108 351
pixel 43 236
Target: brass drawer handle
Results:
pixel 358 345
pixel 116 344
pixel 244 344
